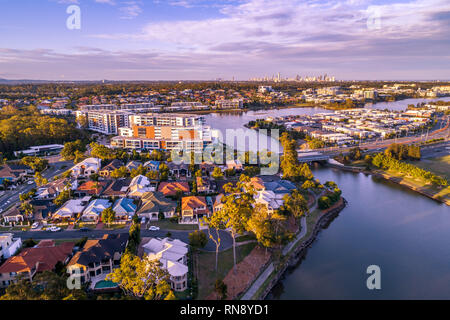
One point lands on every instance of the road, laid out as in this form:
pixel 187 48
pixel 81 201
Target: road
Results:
pixel 440 130
pixel 226 242
pixel 12 196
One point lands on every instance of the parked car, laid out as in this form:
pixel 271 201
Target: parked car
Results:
pixel 84 229
pixel 153 228
pixel 30 182
pixel 35 225
pixel 54 229
pixel 143 220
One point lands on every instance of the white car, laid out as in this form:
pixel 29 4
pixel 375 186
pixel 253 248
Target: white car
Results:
pixel 35 225
pixel 54 229
pixel 153 228
pixel 30 182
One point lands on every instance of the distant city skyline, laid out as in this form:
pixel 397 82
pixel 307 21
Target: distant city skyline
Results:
pixel 241 39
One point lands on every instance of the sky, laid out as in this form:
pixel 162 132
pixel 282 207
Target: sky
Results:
pixel 205 40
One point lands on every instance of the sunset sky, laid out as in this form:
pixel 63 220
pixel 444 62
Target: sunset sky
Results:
pixel 204 40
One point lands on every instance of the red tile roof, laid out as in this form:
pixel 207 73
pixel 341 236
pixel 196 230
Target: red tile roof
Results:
pixel 45 258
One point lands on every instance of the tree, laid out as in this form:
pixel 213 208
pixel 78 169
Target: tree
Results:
pixel 72 149
pixel 308 184
pixel 35 163
pixel 221 289
pixel 102 152
pixel 62 198
pixel 122 172
pixel 163 172
pixel 108 216
pixel 197 239
pixel 141 278
pixel 217 173
pixel 237 208
pixel 135 237
pixel 39 179
pixel 216 223
pixel 296 204
pixel 260 224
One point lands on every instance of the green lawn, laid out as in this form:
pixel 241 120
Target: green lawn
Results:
pixel 168 225
pixel 207 275
pixel 84 225
pixel 439 166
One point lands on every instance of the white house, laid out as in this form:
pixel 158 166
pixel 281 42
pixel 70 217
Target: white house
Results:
pixel 87 167
pixel 94 210
pixel 9 245
pixel 139 185
pixel 71 209
pixel 173 256
pixel 270 199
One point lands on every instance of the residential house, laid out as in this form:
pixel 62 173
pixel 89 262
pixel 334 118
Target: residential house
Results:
pixel 13 215
pixel 86 168
pixel 271 200
pixel 171 188
pixel 218 205
pixel 140 185
pixel 13 173
pixel 172 254
pixel 113 165
pixel 133 165
pixel 203 185
pixel 154 203
pixel 152 165
pixel 93 212
pixel 234 164
pixel 71 210
pixel 207 168
pixel 124 208
pixel 91 188
pixel 179 169
pixel 8 245
pixel 33 260
pixel 192 209
pixel 117 188
pixel 42 208
pixel 98 257
pixel 52 189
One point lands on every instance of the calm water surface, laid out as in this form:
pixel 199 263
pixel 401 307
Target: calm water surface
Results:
pixel 404 233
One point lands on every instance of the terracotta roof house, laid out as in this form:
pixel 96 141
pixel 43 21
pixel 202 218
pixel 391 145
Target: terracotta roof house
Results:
pixel 113 165
pixel 98 257
pixel 33 260
pixel 152 203
pixel 192 209
pixel 171 188
pixel 91 188
pixel 117 188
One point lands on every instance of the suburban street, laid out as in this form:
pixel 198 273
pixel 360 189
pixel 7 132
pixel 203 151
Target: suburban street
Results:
pixel 12 196
pixel 226 240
